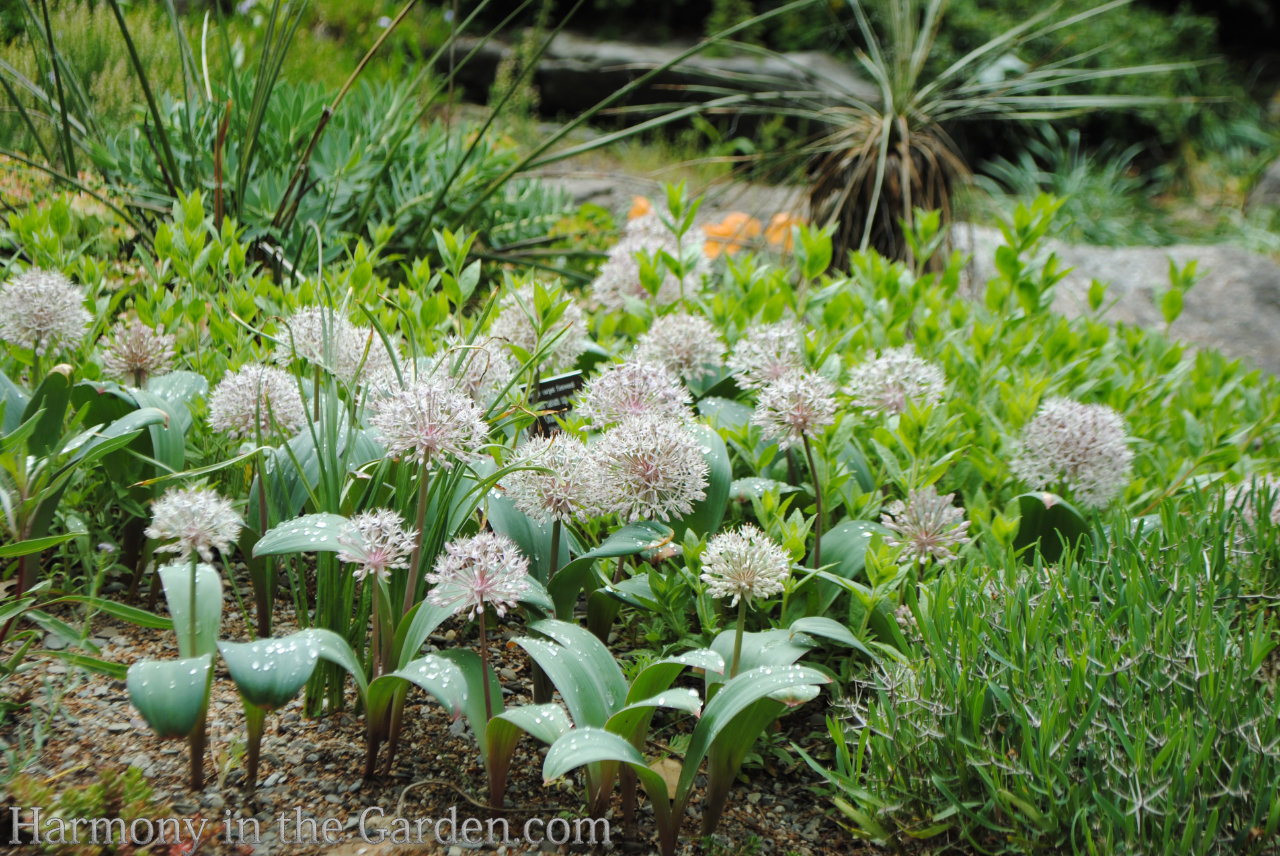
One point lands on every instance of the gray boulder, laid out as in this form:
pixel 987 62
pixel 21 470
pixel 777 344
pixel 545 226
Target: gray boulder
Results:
pixel 1234 308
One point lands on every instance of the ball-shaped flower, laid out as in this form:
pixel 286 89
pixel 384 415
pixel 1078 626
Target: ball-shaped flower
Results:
pixel 484 569
pixel 618 282
pixel 482 369
pixel 766 354
pixel 42 311
pixel 1082 448
pixel 517 323
pixel 376 542
pixel 795 406
pixel 887 383
pixel 135 352
pixel 652 468
pixel 254 399
pixel 687 345
pixel 431 421
pixel 325 338
pixel 744 564
pixel 198 520
pixel 926 525
pixel 631 389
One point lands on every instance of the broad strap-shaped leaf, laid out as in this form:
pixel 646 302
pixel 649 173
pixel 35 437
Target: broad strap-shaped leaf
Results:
pixel 94 444
pixel 659 675
pixel 472 671
pixel 597 659
pixel 310 532
pixel 332 648
pixel 13 402
pixel 630 540
pixel 49 400
pixel 176 578
pixel 544 722
pixel 725 413
pixel 532 537
pixel 632 721
pixel 270 672
pixel 418 624
pixel 754 486
pixel 778 647
pixel 170 694
pixel 733 698
pixel 1051 522
pixel 828 628
pixel 438 676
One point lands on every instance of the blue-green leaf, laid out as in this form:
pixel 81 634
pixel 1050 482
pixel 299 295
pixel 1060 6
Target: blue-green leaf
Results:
pixel 170 694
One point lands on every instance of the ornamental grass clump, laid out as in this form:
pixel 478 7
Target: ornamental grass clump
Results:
pixel 1077 449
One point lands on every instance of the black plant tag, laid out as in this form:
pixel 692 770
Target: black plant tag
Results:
pixel 554 397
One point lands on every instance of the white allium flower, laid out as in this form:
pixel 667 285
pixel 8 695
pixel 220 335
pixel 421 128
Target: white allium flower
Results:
pixel 198 518
pixel 485 568
pixel 795 406
pixel 744 564
pixel 766 354
pixel 652 468
pixel 886 383
pixel 686 344
pixel 255 398
pixel 136 352
pixel 633 388
pixel 376 542
pixel 430 421
pixel 619 279
pixel 482 369
pixel 1083 447
pixel 568 489
pixel 513 324
pixel 41 310
pixel 927 525
pixel 325 338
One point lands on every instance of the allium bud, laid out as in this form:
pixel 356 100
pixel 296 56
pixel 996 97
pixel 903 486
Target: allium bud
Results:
pixel 485 568
pixel 927 525
pixel 686 345
pixel 255 398
pixel 766 354
pixel 745 563
pixel 136 352
pixel 886 383
pixel 634 388
pixel 198 518
pixel 41 310
pixel 1080 447
pixel 795 406
pixel 653 469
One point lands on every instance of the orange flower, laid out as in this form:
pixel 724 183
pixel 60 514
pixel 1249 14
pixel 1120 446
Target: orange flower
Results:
pixel 640 206
pixel 778 232
pixel 730 234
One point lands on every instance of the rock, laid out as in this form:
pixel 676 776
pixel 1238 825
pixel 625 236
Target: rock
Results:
pixel 1234 308
pixel 1266 193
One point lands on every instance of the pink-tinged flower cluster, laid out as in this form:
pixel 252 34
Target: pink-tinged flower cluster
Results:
pixel 766 354
pixel 687 345
pixel 325 338
pixel 653 469
pixel 484 569
pixel 566 484
pixel 135 352
pixel 256 399
pixel 42 311
pixel 795 406
pixel 633 388
pixel 376 542
pixel 482 369
pixel 197 519
pixel 518 324
pixel 618 282
pixel 887 383
pixel 432 422
pixel 926 525
pixel 1083 448
pixel 744 564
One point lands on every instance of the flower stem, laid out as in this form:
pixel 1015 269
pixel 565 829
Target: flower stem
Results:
pixel 817 498
pixel 192 635
pixel 484 667
pixel 737 639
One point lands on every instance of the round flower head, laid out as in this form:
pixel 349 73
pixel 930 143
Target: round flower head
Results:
pixel 324 338
pixel 927 525
pixel 566 485
pixel 376 542
pixel 430 421
pixel 795 406
pixel 485 568
pixel 766 354
pixel 634 388
pixel 652 468
pixel 482 369
pixel 886 383
pixel 619 279
pixel 254 399
pixel 1082 447
pixel 198 518
pixel 686 344
pixel 744 564
pixel 136 352
pixel 41 310
pixel 517 323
